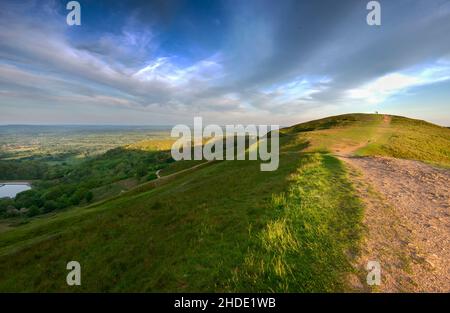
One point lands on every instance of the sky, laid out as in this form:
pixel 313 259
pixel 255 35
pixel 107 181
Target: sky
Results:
pixel 162 62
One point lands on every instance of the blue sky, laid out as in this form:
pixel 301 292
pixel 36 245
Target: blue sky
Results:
pixel 253 61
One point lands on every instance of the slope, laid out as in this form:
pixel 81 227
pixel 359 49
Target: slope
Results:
pixel 224 226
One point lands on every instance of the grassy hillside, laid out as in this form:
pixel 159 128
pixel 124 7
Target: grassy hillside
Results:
pixel 196 233
pixel 224 226
pixel 376 135
pixel 412 139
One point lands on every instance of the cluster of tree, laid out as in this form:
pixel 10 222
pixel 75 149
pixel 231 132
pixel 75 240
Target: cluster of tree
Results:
pixel 23 169
pixel 62 186
pixel 36 201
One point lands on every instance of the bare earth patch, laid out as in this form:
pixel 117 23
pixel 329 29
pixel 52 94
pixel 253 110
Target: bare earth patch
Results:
pixel 407 220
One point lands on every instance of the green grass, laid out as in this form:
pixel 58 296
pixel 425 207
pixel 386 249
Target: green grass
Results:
pixel 225 226
pixel 339 121
pixel 186 235
pixel 332 134
pixel 190 234
pixel 315 225
pixel 370 135
pixel 179 166
pixel 412 139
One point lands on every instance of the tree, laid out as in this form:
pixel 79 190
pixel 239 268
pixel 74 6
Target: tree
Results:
pixel 141 171
pixel 34 210
pixel 50 205
pixel 89 196
pixel 75 199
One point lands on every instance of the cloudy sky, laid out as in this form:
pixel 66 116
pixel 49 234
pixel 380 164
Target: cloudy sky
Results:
pixel 249 61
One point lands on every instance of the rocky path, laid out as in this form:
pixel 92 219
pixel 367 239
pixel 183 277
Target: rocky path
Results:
pixel 407 221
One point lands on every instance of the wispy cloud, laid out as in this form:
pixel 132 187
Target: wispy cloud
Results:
pixel 252 60
pixel 391 84
pixel 164 70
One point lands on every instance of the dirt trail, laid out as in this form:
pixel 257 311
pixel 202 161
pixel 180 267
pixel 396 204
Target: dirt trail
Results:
pixel 343 150
pixel 407 222
pixel 158 172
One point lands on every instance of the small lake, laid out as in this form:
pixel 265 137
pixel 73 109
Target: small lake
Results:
pixel 10 190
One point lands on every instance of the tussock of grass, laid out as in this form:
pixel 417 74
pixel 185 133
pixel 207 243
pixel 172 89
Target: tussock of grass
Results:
pixel 279 237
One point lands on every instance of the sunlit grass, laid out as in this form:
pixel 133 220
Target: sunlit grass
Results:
pixel 278 237
pixel 412 139
pixel 152 144
pixel 315 224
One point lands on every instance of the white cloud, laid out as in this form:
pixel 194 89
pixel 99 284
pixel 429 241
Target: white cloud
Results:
pixel 386 86
pixel 164 70
pixel 293 95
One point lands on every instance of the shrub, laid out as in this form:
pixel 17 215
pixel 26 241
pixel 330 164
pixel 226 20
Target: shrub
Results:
pixel 34 210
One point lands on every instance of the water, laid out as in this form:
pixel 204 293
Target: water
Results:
pixel 12 189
